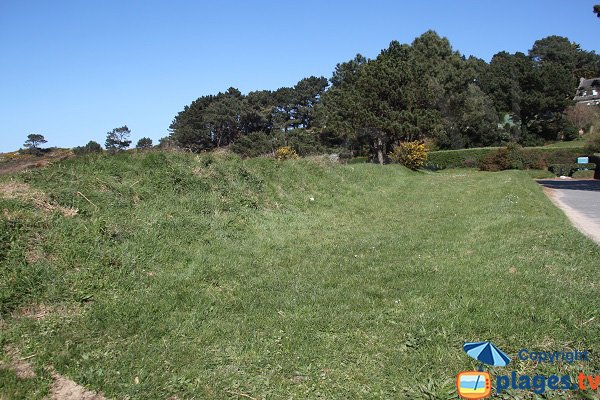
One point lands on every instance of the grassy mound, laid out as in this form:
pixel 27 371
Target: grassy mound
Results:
pixel 211 277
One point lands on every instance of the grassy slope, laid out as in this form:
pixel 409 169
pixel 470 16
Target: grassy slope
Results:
pixel 577 143
pixel 230 279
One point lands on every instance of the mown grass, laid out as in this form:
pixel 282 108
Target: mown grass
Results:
pixel 212 277
pixel 577 143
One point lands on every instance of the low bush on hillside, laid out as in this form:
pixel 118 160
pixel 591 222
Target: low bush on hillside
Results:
pixel 257 144
pixel 501 158
pixel 592 142
pixel 410 154
pixel 90 148
pixel 570 169
pixel 516 157
pixel 286 153
pixel 498 160
pixel 457 158
pixel 355 160
pixel 584 174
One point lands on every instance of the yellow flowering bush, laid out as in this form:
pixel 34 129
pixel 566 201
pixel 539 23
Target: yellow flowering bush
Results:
pixel 286 153
pixel 410 154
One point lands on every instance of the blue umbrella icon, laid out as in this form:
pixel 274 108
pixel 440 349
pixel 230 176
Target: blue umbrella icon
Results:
pixel 486 353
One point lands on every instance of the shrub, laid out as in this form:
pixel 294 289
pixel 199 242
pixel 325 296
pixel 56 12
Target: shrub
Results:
pixel 512 156
pixel 569 169
pixel 570 133
pixel 499 160
pixel 515 156
pixel 534 158
pixel 584 174
pixel 456 158
pixel 167 143
pixel 469 163
pixel 592 142
pixel 410 154
pixel 286 153
pixel 89 148
pixel 563 156
pixel 529 157
pixel 144 143
pixel 357 160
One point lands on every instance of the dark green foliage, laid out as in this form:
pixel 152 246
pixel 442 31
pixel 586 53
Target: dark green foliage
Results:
pixel 500 158
pixel 401 95
pixel 558 156
pixel 304 142
pixel 117 139
pixel 216 121
pixel 166 143
pixel 33 142
pixel 357 160
pixel 570 132
pixel 420 91
pixel 516 157
pixel 89 148
pixel 597 10
pixel 144 143
pixel 534 90
pixel 513 156
pixel 568 169
pixel 592 142
pixel 456 158
pixel 254 144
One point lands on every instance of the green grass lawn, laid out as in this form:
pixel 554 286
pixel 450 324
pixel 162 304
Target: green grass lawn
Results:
pixel 206 277
pixel 577 143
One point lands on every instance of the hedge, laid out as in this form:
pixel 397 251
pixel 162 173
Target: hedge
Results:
pixel 569 169
pixel 457 158
pixel 472 157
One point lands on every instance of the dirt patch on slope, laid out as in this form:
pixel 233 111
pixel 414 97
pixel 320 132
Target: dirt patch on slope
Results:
pixel 41 311
pixel 22 368
pixel 63 388
pixel 11 167
pixel 22 191
pixel 15 161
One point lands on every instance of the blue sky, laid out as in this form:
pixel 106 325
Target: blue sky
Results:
pixel 74 70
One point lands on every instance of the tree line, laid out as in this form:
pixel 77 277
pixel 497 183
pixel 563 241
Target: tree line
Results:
pixel 116 140
pixel 424 91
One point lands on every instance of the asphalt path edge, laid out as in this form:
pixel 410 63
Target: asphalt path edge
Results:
pixel 579 220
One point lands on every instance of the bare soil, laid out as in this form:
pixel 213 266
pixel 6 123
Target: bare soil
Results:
pixel 22 191
pixel 22 368
pixel 62 388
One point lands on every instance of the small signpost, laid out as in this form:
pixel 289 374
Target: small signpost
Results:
pixel 583 160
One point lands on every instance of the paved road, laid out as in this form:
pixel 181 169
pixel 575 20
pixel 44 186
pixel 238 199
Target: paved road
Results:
pixel 580 200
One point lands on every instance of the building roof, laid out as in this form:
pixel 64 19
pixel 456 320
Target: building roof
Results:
pixel 588 91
